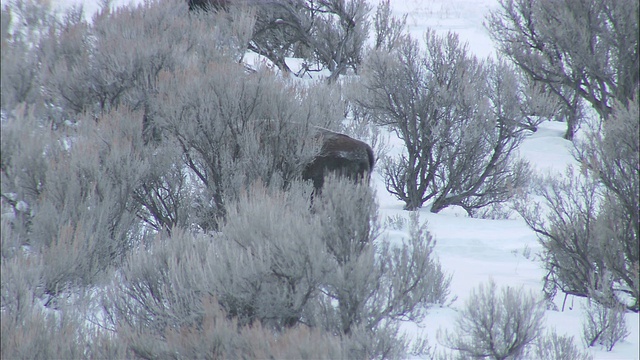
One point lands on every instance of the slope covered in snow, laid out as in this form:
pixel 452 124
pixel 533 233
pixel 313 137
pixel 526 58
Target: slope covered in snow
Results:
pixel 476 250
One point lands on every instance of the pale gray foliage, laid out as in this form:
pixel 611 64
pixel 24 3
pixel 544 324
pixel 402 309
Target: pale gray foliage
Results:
pixel 579 49
pixel 86 204
pixel 86 180
pixel 459 119
pixel 180 70
pixel 281 262
pixel 271 260
pixel 602 325
pixel 340 31
pixel 558 347
pixel 34 334
pixel 588 222
pixel 389 30
pixel 201 296
pixel 20 275
pixel 23 164
pixel 374 283
pixel 263 267
pixel 67 74
pixel 24 24
pixel 218 336
pixel 612 155
pixel 151 129
pixel 140 51
pixel 496 325
pixel 70 194
pixel 28 330
pixel 117 58
pixel 329 33
pixel 235 128
pixel 18 75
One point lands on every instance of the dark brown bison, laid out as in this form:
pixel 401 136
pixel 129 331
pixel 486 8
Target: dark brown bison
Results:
pixel 206 5
pixel 340 155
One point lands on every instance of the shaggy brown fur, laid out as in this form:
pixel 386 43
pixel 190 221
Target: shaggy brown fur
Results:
pixel 341 155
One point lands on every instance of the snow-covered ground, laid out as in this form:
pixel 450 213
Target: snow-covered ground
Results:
pixel 475 250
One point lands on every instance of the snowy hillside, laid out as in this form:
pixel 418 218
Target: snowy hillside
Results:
pixel 475 251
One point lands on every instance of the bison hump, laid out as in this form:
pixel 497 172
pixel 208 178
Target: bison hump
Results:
pixel 348 148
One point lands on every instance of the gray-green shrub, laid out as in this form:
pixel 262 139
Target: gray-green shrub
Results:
pixel 603 325
pixel 280 261
pixel 496 325
pixel 559 347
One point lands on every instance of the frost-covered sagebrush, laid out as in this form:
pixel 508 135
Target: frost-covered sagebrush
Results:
pixel 496 325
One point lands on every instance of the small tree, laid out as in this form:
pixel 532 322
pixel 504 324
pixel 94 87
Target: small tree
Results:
pixel 280 31
pixel 339 34
pixel 580 49
pixel 496 326
pixel 588 222
pixel 612 155
pixel 330 33
pixel 459 121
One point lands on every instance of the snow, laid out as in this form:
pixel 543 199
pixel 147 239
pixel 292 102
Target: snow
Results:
pixel 475 250
pixel 464 17
pixel 546 149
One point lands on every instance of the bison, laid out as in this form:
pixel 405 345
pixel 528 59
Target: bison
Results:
pixel 340 155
